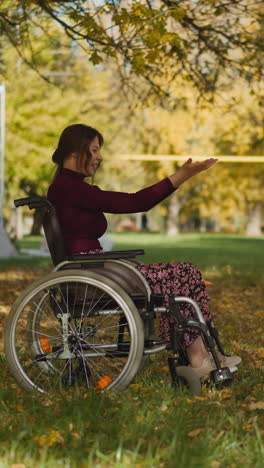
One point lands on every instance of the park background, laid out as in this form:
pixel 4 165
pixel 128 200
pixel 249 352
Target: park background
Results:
pixel 164 99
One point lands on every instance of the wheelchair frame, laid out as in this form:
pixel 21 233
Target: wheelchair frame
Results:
pixel 52 334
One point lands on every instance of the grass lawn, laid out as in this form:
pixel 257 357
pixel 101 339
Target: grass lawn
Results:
pixel 149 424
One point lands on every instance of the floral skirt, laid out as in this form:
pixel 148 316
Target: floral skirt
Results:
pixel 178 279
pixel 175 279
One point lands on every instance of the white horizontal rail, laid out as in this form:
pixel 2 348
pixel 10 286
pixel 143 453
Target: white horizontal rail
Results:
pixel 175 157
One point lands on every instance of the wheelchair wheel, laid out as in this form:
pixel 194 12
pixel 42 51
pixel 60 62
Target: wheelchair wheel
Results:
pixel 74 329
pixel 187 377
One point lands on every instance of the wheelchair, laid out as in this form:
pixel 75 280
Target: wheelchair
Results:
pixel 90 323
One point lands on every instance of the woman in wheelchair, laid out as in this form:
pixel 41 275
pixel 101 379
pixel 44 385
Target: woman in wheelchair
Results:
pixel 80 208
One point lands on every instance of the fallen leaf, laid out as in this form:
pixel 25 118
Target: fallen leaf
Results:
pixel 248 426
pixel 194 432
pixel 20 408
pixel 257 405
pixel 228 269
pixel 76 435
pixel 207 283
pixel 163 407
pixel 139 418
pixel 215 464
pixel 260 352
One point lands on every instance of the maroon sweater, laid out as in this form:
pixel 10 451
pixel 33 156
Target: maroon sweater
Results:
pixel 80 207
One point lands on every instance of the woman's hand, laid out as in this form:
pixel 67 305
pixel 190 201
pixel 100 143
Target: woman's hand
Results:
pixel 189 169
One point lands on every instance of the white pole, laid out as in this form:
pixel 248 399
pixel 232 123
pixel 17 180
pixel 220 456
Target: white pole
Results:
pixel 2 150
pixel 6 247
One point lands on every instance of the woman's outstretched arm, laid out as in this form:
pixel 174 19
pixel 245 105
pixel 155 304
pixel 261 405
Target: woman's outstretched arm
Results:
pixel 76 192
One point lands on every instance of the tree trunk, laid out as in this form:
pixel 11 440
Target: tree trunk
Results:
pixel 15 223
pixel 19 223
pixel 37 223
pixel 203 225
pixel 173 215
pixel 7 249
pixel 138 220
pixel 254 219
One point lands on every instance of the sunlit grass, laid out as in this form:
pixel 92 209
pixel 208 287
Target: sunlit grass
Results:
pixel 207 251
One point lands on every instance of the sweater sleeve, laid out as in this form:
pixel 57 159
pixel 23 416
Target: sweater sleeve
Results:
pixel 95 199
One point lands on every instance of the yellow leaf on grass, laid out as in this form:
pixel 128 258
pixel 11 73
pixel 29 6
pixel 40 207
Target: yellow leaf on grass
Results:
pixel 259 313
pixel 228 269
pixel 135 386
pixel 47 402
pixel 260 352
pixel 20 408
pixel 258 364
pixel 163 407
pixel 194 432
pixel 139 418
pixel 215 464
pixel 258 405
pixel 75 435
pixel 248 426
pixel 225 393
pixel 51 438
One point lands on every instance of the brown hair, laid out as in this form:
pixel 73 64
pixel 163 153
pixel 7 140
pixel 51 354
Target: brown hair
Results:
pixel 75 139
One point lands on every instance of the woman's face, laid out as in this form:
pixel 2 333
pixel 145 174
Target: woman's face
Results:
pixel 90 167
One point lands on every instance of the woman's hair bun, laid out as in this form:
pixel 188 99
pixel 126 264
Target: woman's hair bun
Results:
pixel 56 157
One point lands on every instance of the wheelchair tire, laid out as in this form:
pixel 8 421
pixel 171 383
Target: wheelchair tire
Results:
pixel 67 330
pixel 189 379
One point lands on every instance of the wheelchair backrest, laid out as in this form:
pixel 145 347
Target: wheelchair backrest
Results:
pixel 53 235
pixel 50 224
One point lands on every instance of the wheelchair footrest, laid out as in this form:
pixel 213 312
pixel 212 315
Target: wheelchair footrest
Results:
pixel 222 376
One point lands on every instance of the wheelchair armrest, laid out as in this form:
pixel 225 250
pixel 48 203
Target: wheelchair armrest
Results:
pixel 111 255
